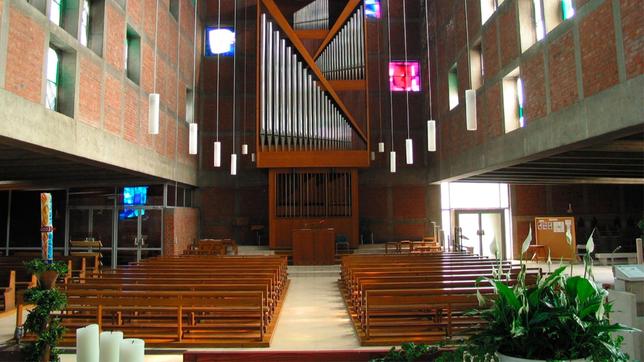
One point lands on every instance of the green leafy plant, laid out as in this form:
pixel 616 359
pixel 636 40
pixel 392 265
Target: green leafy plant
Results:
pixel 39 266
pixel 560 317
pixel 46 328
pixel 409 352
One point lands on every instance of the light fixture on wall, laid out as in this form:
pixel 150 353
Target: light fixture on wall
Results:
pixel 431 124
pixel 244 147
pixel 217 144
pixel 470 94
pixel 409 143
pixel 193 136
pixel 392 153
pixel 233 155
pixel 154 100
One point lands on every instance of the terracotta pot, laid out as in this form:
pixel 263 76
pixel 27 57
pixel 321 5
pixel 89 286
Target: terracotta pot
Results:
pixel 46 354
pixel 47 280
pixel 504 358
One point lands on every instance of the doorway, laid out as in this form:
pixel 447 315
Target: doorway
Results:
pixel 479 230
pixel 140 234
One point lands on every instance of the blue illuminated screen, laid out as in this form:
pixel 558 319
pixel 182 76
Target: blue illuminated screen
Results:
pixel 220 41
pixel 134 196
pixel 372 8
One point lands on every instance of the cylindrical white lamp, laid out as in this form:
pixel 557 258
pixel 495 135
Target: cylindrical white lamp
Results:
pixel 392 161
pixel 233 164
pixel 132 350
pixel 409 151
pixel 373 156
pixel 244 149
pixel 252 157
pixel 470 109
pixel 431 136
pixel 153 113
pixel 217 155
pixel 87 345
pixel 381 147
pixel 193 137
pixel 110 343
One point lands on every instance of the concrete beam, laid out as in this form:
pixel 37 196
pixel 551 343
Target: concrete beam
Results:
pixel 28 122
pixel 610 114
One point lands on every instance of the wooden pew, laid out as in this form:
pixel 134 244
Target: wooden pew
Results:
pixel 8 288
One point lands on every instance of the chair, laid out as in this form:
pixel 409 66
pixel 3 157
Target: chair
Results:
pixel 341 240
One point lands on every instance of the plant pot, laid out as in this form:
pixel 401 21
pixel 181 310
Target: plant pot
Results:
pixel 47 280
pixel 504 358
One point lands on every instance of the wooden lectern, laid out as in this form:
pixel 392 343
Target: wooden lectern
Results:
pixel 314 246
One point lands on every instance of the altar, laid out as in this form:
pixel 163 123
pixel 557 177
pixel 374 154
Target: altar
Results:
pixel 313 246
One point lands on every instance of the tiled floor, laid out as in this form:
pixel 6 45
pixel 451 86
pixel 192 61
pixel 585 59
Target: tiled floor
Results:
pixel 313 317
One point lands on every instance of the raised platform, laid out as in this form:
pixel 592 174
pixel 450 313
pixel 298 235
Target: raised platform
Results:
pixel 285 356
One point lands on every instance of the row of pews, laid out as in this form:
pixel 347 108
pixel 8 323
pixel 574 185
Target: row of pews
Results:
pixel 185 301
pixel 394 299
pixel 15 278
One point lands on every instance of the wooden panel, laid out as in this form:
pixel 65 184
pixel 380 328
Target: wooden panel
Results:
pixel 313 246
pixel 285 159
pixel 348 85
pixel 317 34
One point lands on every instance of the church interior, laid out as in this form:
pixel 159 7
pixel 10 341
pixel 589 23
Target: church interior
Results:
pixel 323 180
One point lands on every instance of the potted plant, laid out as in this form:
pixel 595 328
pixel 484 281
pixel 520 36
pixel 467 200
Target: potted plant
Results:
pixel 40 322
pixel 47 273
pixel 409 352
pixel 559 317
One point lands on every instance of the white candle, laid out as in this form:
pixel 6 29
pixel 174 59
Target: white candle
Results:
pixel 87 344
pixel 110 343
pixel 132 350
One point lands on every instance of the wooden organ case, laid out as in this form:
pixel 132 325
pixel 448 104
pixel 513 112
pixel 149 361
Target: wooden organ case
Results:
pixel 312 118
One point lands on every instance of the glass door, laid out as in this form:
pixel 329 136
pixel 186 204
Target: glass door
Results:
pixel 140 233
pixel 482 231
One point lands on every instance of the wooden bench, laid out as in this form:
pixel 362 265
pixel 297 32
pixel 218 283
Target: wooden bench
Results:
pixel 8 287
pixel 630 258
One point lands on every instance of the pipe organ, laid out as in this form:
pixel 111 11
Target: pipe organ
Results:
pixel 313 16
pixel 306 135
pixel 296 113
pixel 343 58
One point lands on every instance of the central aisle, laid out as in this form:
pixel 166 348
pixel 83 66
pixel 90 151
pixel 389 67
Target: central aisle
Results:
pixel 314 315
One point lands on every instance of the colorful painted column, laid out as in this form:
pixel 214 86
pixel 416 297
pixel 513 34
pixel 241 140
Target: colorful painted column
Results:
pixel 46 227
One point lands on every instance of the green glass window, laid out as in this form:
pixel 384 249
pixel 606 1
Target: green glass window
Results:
pixel 567 9
pixel 520 100
pixel 452 84
pixel 84 31
pixel 53 77
pixel 56 11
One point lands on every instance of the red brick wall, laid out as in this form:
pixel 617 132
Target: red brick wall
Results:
pixel 107 99
pixel 598 52
pixel 180 228
pixel 563 80
pixel 632 32
pixel 533 76
pixel 25 52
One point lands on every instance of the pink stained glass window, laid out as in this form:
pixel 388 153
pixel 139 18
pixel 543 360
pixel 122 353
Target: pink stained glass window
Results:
pixel 404 76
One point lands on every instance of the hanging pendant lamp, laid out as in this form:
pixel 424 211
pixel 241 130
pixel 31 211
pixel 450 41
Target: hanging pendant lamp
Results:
pixel 392 153
pixel 233 155
pixel 154 98
pixel 409 143
pixel 470 94
pixel 431 124
pixel 244 148
pixel 217 144
pixel 193 137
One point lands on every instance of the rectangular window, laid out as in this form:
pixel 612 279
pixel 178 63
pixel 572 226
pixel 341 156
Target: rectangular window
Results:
pixel 53 79
pixel 372 8
pixel 190 105
pixel 404 76
pixel 84 25
pixel 41 5
pixel 452 84
pixel 567 9
pixel 56 11
pixel 60 77
pixel 539 26
pixel 477 70
pixel 220 41
pixel 174 9
pixel 488 7
pixel 133 55
pixel 513 101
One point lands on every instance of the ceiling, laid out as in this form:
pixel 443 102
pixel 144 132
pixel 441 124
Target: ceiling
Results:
pixel 615 161
pixel 30 167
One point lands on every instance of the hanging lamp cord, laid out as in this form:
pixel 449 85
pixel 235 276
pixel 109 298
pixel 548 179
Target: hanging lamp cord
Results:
pixel 218 56
pixel 429 64
pixel 391 102
pixel 156 36
pixel 406 66
pixel 234 71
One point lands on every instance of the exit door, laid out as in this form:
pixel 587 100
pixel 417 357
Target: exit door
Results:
pixel 139 234
pixel 480 230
